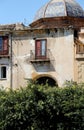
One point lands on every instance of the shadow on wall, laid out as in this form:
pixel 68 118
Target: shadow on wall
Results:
pixel 46 80
pixel 43 67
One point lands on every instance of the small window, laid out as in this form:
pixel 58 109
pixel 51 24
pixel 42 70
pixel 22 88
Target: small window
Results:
pixel 3 72
pixel 75 33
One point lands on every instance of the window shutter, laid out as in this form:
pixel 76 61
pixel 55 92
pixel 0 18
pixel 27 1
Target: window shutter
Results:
pixel 5 45
pixel 1 43
pixel 38 48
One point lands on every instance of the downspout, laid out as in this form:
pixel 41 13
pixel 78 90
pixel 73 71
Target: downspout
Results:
pixel 11 65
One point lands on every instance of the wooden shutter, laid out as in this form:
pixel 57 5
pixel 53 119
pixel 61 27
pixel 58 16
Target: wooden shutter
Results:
pixel 5 45
pixel 1 43
pixel 38 49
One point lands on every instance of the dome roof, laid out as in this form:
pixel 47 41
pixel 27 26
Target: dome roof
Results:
pixel 58 8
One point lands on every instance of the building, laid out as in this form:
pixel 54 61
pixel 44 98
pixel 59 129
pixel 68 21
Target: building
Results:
pixel 50 49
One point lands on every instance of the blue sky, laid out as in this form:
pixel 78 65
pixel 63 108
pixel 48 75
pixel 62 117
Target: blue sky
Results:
pixel 14 11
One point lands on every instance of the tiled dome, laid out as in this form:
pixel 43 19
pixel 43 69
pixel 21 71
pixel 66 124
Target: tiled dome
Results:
pixel 58 8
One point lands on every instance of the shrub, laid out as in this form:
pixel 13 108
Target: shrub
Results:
pixel 39 107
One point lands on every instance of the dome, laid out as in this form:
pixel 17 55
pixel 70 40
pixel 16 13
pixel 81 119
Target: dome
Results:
pixel 59 8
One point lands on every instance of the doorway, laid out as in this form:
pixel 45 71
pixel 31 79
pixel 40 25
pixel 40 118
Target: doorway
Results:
pixel 46 80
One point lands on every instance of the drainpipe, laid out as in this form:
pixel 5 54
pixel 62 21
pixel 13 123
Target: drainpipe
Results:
pixel 11 65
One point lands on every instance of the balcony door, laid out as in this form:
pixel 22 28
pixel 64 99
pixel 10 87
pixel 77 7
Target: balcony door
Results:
pixel 40 49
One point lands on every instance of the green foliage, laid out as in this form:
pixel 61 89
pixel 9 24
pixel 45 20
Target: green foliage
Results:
pixel 39 107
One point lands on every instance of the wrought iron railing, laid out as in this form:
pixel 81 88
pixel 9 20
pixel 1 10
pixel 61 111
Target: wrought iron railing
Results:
pixel 47 56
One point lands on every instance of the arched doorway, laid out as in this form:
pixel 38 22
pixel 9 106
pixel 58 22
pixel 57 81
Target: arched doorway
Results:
pixel 45 79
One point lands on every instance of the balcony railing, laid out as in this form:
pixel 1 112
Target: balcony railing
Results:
pixel 40 58
pixel 80 56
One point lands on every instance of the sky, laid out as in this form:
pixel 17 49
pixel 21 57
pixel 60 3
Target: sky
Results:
pixel 22 11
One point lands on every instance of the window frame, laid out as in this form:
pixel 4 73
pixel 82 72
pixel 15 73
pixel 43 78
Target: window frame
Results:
pixel 4 49
pixel 41 56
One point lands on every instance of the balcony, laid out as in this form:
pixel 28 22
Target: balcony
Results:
pixel 79 49
pixel 39 58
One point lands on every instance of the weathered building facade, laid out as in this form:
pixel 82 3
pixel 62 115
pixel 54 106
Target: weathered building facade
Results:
pixel 50 49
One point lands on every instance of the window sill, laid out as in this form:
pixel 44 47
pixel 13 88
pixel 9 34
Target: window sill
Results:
pixel 4 56
pixel 3 79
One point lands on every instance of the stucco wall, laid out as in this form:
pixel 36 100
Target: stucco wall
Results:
pixel 61 66
pixel 21 66
pixel 62 48
pixel 60 45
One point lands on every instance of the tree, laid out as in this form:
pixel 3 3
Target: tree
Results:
pixel 38 107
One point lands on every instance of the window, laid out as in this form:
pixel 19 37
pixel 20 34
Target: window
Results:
pixel 3 72
pixel 3 45
pixel 80 48
pixel 40 49
pixel 75 33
